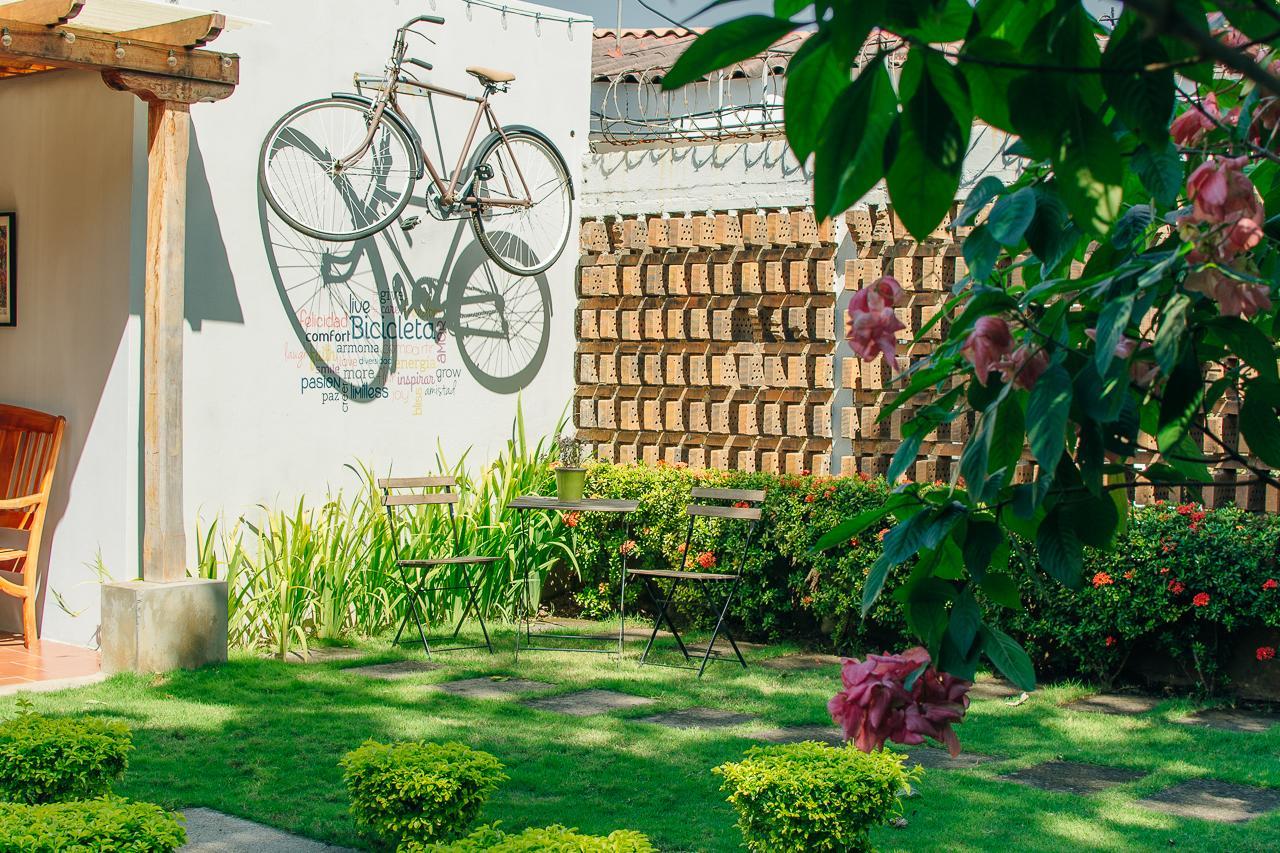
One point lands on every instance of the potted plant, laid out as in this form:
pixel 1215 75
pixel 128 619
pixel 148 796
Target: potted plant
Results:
pixel 570 475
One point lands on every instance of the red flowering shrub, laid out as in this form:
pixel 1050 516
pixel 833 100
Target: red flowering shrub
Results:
pixel 707 560
pixel 1270 583
pixel 1102 579
pixel 1177 587
pixel 571 519
pixel 1201 599
pixel 1265 653
pixel 876 703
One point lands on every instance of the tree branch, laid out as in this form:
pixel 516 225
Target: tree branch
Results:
pixel 1163 18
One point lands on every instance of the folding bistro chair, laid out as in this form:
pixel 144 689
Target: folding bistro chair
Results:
pixel 435 490
pixel 746 509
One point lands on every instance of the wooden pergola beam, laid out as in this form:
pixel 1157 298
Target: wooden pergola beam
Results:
pixel 188 32
pixel 45 13
pixel 69 48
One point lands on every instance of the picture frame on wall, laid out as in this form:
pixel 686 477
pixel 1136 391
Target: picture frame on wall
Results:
pixel 8 268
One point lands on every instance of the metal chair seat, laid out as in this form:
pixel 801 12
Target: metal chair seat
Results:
pixel 675 573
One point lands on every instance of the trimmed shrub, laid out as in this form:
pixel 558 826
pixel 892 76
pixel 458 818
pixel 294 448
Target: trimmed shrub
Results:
pixel 813 797
pixel 552 839
pixel 103 825
pixel 418 791
pixel 52 759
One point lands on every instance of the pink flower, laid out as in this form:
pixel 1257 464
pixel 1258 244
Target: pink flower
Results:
pixel 875 705
pixel 988 343
pixel 1220 192
pixel 1190 127
pixel 1201 599
pixel 1270 583
pixel 1234 298
pixel 1024 366
pixel 871 323
pixel 1265 653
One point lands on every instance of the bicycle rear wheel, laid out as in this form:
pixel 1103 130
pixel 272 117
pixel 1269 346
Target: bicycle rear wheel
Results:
pixel 307 183
pixel 522 240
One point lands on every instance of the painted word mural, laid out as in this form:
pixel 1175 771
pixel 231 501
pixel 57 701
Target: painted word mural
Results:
pixel 370 328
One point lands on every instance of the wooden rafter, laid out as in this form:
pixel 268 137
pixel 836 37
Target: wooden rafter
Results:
pixel 188 32
pixel 92 51
pixel 45 13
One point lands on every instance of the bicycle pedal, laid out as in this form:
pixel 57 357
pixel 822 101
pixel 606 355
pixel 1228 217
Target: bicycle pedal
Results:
pixel 410 222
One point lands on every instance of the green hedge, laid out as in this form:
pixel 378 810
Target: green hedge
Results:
pixel 106 825
pixel 790 593
pixel 805 797
pixel 552 839
pixel 51 759
pixel 417 792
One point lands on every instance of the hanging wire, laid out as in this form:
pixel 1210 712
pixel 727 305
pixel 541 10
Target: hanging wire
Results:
pixel 511 10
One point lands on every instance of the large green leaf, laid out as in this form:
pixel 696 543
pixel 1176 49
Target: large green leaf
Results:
pixel 1142 99
pixel 816 76
pixel 1008 657
pixel 979 197
pixel 1182 396
pixel 1047 412
pixel 850 527
pixel 988 83
pixel 725 44
pixel 850 154
pixel 1059 548
pixel 1051 236
pixel 1249 343
pixel 1112 321
pixel 932 141
pixel 1161 171
pixel 1173 323
pixel 966 619
pixel 1011 216
pixel 1258 422
pixel 981 540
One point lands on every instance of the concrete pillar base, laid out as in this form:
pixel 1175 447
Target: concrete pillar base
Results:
pixel 156 627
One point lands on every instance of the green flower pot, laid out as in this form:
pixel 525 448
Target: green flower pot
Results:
pixel 569 483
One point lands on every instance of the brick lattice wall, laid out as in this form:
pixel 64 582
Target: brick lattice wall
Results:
pixel 712 340
pixel 708 340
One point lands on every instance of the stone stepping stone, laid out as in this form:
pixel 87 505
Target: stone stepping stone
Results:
pixel 1210 799
pixel 210 831
pixel 939 759
pixel 1069 777
pixel 993 688
pixel 1126 704
pixel 324 654
pixel 1231 720
pixel 795 734
pixel 800 662
pixel 586 703
pixel 699 718
pixel 395 670
pixel 490 688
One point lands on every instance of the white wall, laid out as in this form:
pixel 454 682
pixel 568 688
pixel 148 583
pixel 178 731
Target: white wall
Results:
pixel 66 169
pixel 261 422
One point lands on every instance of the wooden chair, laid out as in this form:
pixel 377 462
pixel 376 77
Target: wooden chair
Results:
pixel 434 490
pixel 746 510
pixel 29 444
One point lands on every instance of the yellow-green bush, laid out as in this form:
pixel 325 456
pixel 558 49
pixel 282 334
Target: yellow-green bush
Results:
pixel 552 839
pixel 52 759
pixel 418 792
pixel 806 797
pixel 108 825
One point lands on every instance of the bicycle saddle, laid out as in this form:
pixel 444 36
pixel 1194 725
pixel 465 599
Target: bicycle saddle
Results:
pixel 490 75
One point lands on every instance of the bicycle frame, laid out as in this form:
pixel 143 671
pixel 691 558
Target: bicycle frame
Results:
pixel 386 99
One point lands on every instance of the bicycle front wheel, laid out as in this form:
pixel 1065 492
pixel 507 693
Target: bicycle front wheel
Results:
pixel 524 239
pixel 319 175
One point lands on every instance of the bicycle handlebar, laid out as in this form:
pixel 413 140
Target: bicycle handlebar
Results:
pixel 423 19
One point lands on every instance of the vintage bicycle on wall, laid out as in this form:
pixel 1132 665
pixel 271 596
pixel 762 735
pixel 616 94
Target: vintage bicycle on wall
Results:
pixel 344 167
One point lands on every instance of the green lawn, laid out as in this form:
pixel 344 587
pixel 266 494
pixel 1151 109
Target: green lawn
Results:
pixel 261 739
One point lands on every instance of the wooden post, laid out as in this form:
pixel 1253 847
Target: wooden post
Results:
pixel 164 544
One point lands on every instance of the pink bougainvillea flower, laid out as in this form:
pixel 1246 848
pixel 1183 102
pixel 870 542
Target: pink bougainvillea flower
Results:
pixel 1023 366
pixel 870 323
pixel 1102 579
pixel 1265 653
pixel 987 345
pixel 1190 127
pixel 1201 599
pixel 875 705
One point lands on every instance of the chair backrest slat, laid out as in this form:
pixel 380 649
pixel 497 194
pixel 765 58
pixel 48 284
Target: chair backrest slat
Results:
pixel 416 482
pixel 420 500
pixel 744 513
pixel 751 495
pixel 29 443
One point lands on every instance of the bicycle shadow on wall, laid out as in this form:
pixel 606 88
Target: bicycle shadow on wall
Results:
pixel 351 305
